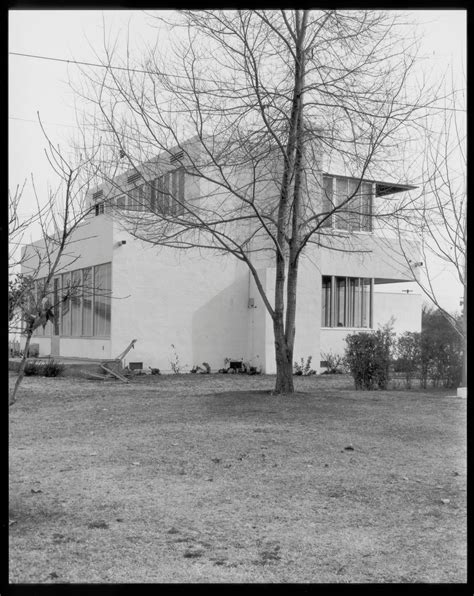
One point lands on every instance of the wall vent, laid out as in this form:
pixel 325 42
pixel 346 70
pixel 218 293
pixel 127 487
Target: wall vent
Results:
pixel 133 177
pixel 176 156
pixel 98 195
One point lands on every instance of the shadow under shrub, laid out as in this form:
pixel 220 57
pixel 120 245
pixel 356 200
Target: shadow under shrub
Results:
pixel 32 368
pixel 50 368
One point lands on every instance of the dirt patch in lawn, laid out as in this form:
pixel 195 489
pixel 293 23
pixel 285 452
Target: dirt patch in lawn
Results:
pixel 202 478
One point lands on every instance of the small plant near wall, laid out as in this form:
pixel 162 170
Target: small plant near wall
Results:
pixel 335 363
pixel 303 368
pixel 175 363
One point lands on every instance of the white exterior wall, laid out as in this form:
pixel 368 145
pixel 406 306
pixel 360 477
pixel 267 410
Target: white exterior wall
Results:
pixel 90 244
pixel 365 255
pixel 405 308
pixel 163 296
pixel 44 344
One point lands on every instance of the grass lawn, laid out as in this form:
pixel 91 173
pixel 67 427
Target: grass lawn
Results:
pixel 196 478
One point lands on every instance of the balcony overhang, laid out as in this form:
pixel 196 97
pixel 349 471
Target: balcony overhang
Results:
pixel 394 280
pixel 382 189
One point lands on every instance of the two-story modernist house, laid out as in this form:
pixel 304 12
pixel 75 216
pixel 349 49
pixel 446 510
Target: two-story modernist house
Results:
pixel 207 305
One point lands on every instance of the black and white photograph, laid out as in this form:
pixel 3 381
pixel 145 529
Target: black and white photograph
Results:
pixel 237 296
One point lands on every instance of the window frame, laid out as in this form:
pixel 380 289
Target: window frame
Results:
pixel 331 200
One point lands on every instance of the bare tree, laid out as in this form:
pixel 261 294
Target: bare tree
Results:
pixel 58 218
pixel 439 219
pixel 251 105
pixel 20 223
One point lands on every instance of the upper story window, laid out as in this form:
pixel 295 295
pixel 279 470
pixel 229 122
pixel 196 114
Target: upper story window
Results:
pixel 139 198
pixel 168 193
pixel 355 214
pixel 164 195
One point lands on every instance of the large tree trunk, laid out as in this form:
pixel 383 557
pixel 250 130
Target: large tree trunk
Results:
pixel 285 333
pixel 284 360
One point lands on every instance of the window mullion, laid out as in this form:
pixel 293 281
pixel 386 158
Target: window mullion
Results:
pixel 346 302
pixel 371 303
pixel 332 316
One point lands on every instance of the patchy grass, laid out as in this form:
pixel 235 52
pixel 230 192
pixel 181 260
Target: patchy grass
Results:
pixel 196 478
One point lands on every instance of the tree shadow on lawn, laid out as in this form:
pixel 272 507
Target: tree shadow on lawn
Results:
pixel 243 403
pixel 28 514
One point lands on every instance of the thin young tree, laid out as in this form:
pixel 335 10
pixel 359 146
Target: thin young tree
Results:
pixel 58 219
pixel 252 104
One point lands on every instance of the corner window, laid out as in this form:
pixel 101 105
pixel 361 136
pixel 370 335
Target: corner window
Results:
pixel 346 302
pixel 82 302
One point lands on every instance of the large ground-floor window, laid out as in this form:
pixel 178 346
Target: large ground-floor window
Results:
pixel 81 302
pixel 346 301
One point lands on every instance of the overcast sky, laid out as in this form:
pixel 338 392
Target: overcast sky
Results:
pixel 39 85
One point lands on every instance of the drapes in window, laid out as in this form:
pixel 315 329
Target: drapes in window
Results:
pixel 346 302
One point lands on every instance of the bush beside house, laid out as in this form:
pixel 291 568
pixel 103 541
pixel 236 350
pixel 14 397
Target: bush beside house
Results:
pixel 434 355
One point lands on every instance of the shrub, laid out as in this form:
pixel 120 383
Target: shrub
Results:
pixel 409 355
pixel 368 357
pixel 32 368
pixel 440 351
pixel 51 368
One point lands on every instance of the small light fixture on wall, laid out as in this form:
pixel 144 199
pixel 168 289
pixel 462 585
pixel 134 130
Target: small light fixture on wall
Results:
pixel 120 242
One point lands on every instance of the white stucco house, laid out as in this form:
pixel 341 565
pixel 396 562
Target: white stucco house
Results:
pixel 206 305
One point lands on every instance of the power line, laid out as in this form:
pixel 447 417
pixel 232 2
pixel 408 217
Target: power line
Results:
pixel 164 74
pixel 49 123
pixel 126 68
